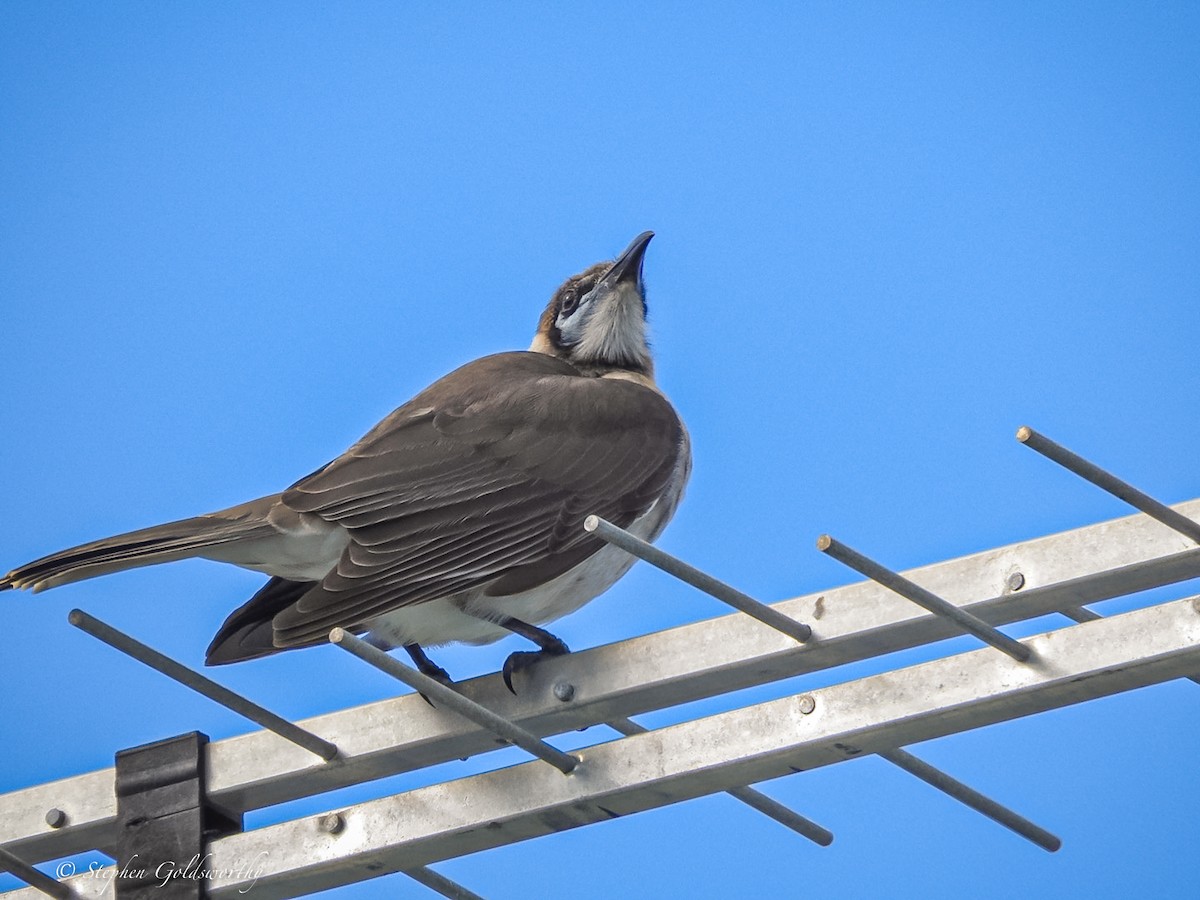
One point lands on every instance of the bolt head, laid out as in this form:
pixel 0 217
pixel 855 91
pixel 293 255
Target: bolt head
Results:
pixel 807 704
pixel 331 823
pixel 564 691
pixel 1015 581
pixel 56 818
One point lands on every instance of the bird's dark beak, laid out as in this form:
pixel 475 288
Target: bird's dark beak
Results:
pixel 628 266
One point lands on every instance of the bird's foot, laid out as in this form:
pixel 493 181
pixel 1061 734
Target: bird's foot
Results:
pixel 524 659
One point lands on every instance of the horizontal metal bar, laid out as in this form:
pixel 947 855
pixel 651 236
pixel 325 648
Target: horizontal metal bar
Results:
pixel 922 597
pixel 679 665
pixel 39 881
pixel 754 799
pixel 1104 480
pixel 643 550
pixel 704 756
pixel 972 798
pixel 435 881
pixel 451 699
pixel 1082 614
pixel 202 685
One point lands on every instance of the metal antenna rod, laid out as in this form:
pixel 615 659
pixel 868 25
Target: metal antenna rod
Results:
pixel 1080 614
pixel 453 700
pixel 1108 482
pixel 35 879
pixel 1122 490
pixel 202 685
pixel 630 543
pixel 439 883
pixel 972 798
pixel 748 795
pixel 922 597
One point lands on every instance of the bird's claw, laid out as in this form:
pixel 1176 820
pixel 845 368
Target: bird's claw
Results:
pixel 441 676
pixel 517 662
pixel 522 660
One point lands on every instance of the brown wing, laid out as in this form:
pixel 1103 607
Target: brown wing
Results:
pixel 482 480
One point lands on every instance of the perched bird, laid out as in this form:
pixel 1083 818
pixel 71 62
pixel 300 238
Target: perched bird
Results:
pixel 458 518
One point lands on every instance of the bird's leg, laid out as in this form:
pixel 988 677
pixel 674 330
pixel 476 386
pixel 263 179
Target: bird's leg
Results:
pixel 547 643
pixel 427 666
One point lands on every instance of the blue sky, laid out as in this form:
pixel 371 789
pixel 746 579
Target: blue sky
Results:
pixel 234 237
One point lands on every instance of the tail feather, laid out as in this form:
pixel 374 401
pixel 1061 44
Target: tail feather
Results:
pixel 147 546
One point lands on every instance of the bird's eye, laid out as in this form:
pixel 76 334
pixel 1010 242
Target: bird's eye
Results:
pixel 570 300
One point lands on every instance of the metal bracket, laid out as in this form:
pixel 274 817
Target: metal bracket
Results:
pixel 165 820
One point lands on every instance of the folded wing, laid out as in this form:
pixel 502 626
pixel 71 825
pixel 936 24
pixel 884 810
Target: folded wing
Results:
pixel 482 481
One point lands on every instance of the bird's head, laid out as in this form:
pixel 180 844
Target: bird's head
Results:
pixel 597 319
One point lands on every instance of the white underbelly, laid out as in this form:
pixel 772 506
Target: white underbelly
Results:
pixel 447 620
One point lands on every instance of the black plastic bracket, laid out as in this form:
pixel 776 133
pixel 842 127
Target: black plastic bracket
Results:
pixel 165 820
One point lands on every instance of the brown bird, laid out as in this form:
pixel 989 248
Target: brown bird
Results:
pixel 458 518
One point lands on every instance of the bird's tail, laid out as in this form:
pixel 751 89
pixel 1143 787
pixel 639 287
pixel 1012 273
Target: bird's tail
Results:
pixel 161 543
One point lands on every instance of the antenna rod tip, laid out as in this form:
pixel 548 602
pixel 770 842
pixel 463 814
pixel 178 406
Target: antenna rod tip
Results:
pixel 1024 433
pixel 337 635
pixel 76 617
pixel 824 542
pixel 591 523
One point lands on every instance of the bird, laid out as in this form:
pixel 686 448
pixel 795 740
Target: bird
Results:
pixel 458 518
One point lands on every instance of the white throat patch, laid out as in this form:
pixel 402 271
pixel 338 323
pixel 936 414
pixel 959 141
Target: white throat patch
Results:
pixel 614 331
